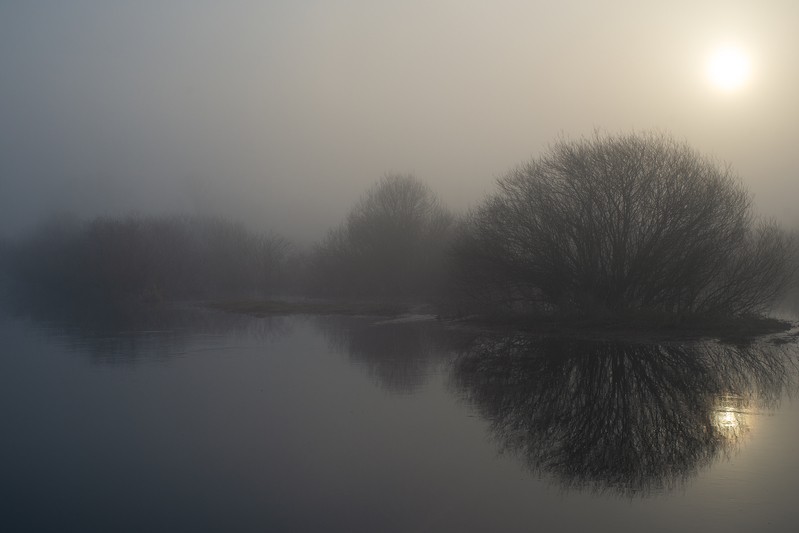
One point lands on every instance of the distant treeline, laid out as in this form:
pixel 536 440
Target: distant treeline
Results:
pixel 393 246
pixel 599 227
pixel 144 258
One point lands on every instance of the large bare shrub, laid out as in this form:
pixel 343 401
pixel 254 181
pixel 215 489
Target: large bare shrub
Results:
pixel 618 223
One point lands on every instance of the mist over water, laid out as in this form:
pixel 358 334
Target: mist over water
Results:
pixel 418 266
pixel 280 114
pixel 204 420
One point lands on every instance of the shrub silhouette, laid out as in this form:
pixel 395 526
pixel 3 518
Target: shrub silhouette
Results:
pixel 613 224
pixel 391 246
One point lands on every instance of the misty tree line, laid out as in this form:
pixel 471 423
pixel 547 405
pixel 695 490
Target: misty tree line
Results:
pixel 600 226
pixel 392 245
pixel 145 258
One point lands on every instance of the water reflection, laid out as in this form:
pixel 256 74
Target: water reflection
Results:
pixel 397 354
pixel 630 418
pixel 129 333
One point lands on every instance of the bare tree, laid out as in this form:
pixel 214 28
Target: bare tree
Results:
pixel 611 224
pixel 390 246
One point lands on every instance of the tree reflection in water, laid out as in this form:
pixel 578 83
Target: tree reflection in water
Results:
pixel 398 355
pixel 630 418
pixel 126 334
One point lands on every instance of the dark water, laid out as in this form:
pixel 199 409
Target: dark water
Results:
pixel 196 421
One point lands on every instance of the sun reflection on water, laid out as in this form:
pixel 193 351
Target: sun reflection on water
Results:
pixel 733 415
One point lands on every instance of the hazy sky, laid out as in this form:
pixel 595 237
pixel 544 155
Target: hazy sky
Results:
pixel 281 113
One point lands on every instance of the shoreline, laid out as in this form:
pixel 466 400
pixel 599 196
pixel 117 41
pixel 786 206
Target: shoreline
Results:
pixel 659 328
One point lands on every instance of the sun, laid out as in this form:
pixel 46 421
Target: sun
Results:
pixel 729 68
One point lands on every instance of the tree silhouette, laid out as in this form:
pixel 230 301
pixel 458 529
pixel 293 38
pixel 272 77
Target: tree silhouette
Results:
pixel 614 224
pixel 392 244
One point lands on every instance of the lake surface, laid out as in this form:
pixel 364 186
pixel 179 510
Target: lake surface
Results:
pixel 204 421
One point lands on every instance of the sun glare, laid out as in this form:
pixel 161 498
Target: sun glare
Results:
pixel 729 68
pixel 732 416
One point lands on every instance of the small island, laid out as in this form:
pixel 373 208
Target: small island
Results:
pixel 622 236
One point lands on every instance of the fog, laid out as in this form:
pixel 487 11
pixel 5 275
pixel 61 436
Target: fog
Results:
pixel 281 113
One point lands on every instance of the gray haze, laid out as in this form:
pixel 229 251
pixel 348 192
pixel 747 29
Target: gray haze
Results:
pixel 281 113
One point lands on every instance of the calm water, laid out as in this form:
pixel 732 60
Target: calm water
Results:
pixel 211 422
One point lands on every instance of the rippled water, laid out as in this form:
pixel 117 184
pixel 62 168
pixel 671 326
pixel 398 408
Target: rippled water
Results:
pixel 200 421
